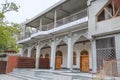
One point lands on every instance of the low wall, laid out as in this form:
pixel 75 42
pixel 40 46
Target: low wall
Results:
pixel 19 62
pixel 44 63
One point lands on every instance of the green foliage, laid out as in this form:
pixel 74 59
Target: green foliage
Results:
pixel 8 34
pixel 8 38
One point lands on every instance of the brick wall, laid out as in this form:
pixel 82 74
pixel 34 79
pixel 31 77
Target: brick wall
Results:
pixel 19 62
pixel 12 63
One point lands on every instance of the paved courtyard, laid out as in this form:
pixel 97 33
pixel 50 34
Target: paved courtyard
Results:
pixel 7 77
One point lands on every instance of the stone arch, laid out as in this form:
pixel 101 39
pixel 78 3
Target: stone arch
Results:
pixel 80 38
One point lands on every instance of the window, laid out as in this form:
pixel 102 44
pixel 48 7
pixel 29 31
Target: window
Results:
pixel 105 50
pixel 110 10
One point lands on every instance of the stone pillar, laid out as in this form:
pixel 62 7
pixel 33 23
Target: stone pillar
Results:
pixel 53 51
pixel 94 56
pixel 70 55
pixel 37 56
pixel 29 52
pixel 117 46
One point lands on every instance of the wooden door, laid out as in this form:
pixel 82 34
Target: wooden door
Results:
pixel 58 62
pixel 84 63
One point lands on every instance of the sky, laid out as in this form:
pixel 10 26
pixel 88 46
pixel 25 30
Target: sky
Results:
pixel 28 9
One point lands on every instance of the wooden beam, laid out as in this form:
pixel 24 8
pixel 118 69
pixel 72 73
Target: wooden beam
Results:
pixel 108 12
pixel 113 6
pixel 117 12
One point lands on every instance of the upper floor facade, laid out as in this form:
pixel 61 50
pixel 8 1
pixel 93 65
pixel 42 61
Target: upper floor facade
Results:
pixel 97 16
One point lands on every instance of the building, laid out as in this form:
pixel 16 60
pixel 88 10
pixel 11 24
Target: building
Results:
pixel 75 35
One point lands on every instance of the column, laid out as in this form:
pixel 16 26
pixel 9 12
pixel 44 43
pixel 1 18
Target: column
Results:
pixel 29 52
pixel 53 51
pixel 94 56
pixel 37 56
pixel 40 27
pixel 70 55
pixel 55 18
pixel 117 46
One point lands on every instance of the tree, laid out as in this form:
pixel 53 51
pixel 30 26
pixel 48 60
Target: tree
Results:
pixel 7 39
pixel 7 7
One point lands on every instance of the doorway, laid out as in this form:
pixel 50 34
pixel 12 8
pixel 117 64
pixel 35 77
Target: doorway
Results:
pixel 58 61
pixel 84 61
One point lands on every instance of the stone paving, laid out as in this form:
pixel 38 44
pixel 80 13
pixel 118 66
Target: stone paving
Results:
pixel 7 77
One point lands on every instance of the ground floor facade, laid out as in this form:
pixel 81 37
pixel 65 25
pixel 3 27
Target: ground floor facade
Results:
pixel 75 51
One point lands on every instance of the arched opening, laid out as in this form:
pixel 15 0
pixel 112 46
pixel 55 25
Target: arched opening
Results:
pixel 59 59
pixel 44 62
pixel 74 58
pixel 82 43
pixel 84 61
pixel 33 52
pixel 25 53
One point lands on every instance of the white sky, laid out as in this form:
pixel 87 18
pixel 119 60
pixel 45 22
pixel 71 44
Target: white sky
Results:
pixel 28 9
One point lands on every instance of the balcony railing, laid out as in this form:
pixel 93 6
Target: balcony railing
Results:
pixel 66 20
pixel 60 22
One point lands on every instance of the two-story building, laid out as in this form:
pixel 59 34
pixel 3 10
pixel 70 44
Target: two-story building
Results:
pixel 75 35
